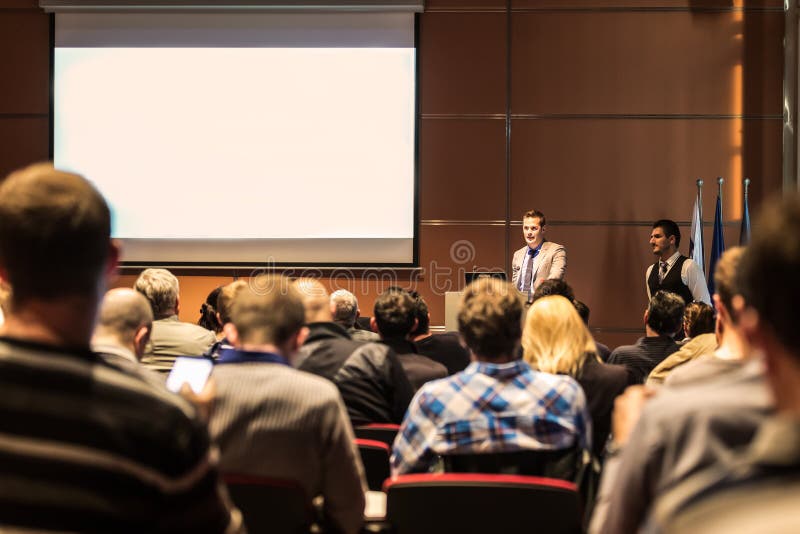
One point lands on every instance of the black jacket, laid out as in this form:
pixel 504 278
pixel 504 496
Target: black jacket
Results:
pixel 369 376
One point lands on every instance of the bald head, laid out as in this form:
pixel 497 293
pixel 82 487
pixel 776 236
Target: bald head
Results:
pixel 125 317
pixel 315 300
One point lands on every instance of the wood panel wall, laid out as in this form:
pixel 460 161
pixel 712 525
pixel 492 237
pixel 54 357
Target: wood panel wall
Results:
pixel 601 113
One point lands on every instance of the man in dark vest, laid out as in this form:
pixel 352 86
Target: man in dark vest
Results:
pixel 673 271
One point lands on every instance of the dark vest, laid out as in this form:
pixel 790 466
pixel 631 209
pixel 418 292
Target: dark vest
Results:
pixel 672 282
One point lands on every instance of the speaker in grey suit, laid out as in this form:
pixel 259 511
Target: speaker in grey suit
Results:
pixel 541 258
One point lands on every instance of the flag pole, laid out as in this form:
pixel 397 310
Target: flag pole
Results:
pixel 720 179
pixel 746 187
pixel 700 198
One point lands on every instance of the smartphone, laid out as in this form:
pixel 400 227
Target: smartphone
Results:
pixel 194 371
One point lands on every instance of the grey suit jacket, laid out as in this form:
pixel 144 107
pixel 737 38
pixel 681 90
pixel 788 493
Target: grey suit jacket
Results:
pixel 551 262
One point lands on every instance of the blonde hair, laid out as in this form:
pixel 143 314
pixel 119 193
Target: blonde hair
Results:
pixel 555 338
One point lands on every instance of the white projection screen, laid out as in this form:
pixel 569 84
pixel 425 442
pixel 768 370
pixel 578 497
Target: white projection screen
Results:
pixel 244 138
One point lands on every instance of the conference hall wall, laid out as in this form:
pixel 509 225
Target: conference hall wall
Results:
pixel 600 113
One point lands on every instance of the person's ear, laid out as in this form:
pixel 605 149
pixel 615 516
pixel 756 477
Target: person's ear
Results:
pixel 140 339
pixel 112 262
pixel 373 325
pixel 177 305
pixel 231 334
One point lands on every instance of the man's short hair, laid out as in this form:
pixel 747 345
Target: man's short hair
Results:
pixel 394 313
pixel 768 273
pixel 55 233
pixel 698 318
pixel 583 310
pixel 725 276
pixel 553 286
pixel 226 297
pixel 345 307
pixel 122 313
pixel 490 318
pixel 665 313
pixel 421 313
pixel 670 228
pixel 536 214
pixel 161 288
pixel 269 311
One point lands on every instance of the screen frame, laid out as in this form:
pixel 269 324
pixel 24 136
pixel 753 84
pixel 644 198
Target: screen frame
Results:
pixel 217 265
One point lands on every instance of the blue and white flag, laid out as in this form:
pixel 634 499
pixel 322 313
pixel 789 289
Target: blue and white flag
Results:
pixel 697 249
pixel 717 245
pixel 744 233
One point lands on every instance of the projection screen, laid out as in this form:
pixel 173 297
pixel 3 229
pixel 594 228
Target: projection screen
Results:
pixel 244 138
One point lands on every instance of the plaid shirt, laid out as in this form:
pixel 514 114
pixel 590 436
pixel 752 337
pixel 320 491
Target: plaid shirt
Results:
pixel 491 408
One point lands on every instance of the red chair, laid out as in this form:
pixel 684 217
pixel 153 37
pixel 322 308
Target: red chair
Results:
pixel 271 505
pixel 471 502
pixel 375 457
pixel 384 432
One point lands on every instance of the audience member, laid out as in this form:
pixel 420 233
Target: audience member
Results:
pixel 369 376
pixel 170 337
pixel 272 420
pixel 498 403
pixel 732 345
pixel 555 340
pixel 123 328
pixel 209 318
pixel 394 319
pixel 698 326
pixel 444 348
pixel 227 294
pixel 553 286
pixel 758 491
pixel 345 310
pixel 662 319
pixel 583 310
pixel 86 447
pixel 687 427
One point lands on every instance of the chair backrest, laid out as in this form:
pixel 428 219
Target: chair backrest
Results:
pixel 562 463
pixel 271 505
pixel 471 502
pixel 375 457
pixel 385 432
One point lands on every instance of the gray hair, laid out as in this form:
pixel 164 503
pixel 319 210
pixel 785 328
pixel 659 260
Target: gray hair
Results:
pixel 122 312
pixel 345 307
pixel 161 288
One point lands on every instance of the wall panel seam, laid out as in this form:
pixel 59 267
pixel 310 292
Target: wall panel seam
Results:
pixel 644 116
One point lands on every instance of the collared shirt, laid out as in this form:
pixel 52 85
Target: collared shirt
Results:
pixel 530 255
pixel 491 408
pixel 691 276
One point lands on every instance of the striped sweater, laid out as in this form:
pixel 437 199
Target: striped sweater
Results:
pixel 87 447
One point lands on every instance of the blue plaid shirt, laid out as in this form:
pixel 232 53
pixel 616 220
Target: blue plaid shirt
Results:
pixel 491 408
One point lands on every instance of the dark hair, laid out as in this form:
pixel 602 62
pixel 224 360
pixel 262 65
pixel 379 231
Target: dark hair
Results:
pixel 421 314
pixel 583 311
pixel 490 318
pixel 55 231
pixel 670 228
pixel 699 318
pixel 394 313
pixel 535 214
pixel 208 312
pixel 768 273
pixel 665 313
pixel 553 286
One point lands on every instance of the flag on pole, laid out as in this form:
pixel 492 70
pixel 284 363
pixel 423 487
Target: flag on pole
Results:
pixel 696 248
pixel 717 244
pixel 744 233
